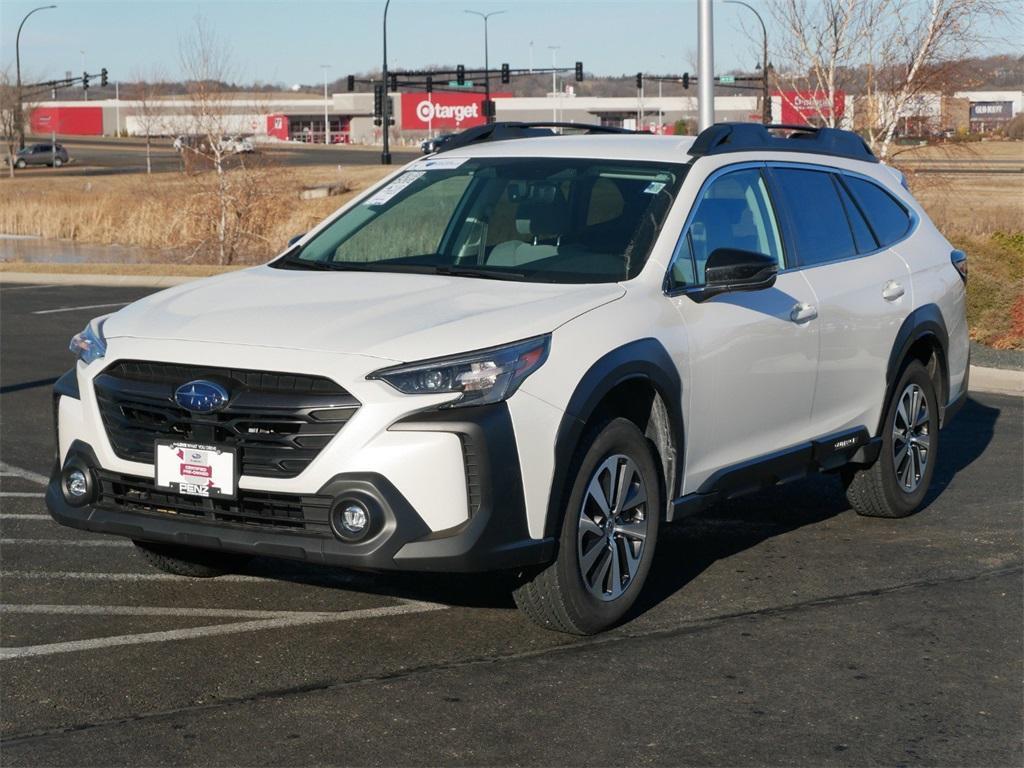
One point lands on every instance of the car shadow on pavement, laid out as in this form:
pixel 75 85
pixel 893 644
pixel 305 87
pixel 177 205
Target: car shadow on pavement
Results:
pixel 685 549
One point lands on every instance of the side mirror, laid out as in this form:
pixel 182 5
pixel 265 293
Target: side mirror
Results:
pixel 728 270
pixel 294 240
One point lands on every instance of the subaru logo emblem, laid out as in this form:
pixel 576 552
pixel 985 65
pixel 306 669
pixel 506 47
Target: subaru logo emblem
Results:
pixel 201 396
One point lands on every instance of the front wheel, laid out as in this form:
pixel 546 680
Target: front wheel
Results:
pixel 19 164
pixel 896 484
pixel 607 539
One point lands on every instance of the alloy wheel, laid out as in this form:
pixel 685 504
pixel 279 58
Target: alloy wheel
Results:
pixel 612 527
pixel 910 438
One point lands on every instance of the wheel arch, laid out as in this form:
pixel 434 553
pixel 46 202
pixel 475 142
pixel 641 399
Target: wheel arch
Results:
pixel 922 337
pixel 640 382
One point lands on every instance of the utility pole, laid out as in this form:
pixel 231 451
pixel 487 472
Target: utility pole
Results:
pixel 327 119
pixel 554 83
pixel 766 99
pixel 706 63
pixel 385 155
pixel 488 117
pixel 19 118
pixel 85 91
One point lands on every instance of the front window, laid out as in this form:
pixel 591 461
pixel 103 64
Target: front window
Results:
pixel 539 219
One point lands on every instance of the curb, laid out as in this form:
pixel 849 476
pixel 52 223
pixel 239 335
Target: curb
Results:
pixel 131 281
pixel 998 381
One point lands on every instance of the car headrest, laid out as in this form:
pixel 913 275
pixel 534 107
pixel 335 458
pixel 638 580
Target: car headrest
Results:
pixel 535 218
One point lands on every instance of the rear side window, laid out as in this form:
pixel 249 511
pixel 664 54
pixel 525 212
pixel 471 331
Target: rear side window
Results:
pixel 820 230
pixel 861 232
pixel 889 220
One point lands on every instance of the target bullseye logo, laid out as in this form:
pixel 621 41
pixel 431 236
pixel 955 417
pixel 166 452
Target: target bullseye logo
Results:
pixel 425 111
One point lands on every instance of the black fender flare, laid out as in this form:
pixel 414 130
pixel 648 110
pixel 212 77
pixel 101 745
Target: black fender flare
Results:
pixel 645 359
pixel 925 322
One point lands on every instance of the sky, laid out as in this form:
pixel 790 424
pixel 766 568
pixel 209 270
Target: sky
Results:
pixel 287 41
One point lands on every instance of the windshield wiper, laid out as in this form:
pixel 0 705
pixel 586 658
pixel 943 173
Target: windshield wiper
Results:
pixel 486 274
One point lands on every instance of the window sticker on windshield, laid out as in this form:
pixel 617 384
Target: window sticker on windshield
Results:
pixel 384 195
pixel 654 187
pixel 440 163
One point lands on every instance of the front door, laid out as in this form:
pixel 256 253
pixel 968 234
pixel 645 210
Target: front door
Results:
pixel 752 356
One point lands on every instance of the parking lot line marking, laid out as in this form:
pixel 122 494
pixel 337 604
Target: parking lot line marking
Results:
pixel 74 309
pixel 135 610
pixel 26 516
pixel 213 630
pixel 23 495
pixel 24 474
pixel 68 542
pixel 86 576
pixel 6 288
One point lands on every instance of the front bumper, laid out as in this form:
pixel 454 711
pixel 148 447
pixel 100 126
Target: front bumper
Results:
pixel 495 536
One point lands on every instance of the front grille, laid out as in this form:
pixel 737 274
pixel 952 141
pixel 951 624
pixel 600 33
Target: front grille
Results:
pixel 279 422
pixel 281 511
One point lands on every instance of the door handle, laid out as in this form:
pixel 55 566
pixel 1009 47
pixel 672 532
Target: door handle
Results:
pixel 892 291
pixel 803 313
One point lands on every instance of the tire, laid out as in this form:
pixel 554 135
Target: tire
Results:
pixel 57 162
pixel 897 483
pixel 19 164
pixel 578 593
pixel 187 561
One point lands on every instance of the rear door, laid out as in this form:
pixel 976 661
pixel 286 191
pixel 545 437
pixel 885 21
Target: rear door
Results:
pixel 752 356
pixel 862 287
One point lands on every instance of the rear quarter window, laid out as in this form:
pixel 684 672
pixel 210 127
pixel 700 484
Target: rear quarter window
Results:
pixel 818 223
pixel 889 220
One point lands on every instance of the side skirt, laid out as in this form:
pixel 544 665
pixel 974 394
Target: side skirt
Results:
pixel 855 446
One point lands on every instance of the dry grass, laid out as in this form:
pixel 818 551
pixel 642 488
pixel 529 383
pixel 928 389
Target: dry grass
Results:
pixel 165 211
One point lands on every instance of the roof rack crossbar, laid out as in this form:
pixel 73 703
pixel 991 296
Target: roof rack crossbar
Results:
pixel 521 130
pixel 721 138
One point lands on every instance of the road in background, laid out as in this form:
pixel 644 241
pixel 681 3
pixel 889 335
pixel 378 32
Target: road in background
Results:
pixel 778 629
pixel 104 157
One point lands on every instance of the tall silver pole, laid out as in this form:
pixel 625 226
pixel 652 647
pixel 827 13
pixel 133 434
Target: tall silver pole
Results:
pixel 19 118
pixel 327 119
pixel 706 65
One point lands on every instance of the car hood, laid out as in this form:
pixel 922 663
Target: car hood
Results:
pixel 394 316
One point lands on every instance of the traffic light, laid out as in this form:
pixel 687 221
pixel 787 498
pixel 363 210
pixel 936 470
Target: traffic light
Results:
pixel 430 84
pixel 686 81
pixel 460 74
pixel 579 71
pixel 103 78
pixel 351 82
pixel 394 82
pixel 85 81
pixel 639 80
pixel 506 76
pixel 378 103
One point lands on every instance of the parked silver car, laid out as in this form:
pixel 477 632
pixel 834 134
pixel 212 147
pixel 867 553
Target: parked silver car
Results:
pixel 41 154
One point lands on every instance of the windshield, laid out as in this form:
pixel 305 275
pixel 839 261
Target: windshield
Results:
pixel 537 219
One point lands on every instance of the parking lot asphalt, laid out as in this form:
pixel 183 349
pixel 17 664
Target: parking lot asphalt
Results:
pixel 777 629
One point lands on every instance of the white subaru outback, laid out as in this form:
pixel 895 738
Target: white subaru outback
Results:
pixel 528 353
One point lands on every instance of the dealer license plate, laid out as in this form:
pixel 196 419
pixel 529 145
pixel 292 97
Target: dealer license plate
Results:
pixel 196 470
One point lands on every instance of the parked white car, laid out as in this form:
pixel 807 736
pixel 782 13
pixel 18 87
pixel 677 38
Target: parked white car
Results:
pixel 530 352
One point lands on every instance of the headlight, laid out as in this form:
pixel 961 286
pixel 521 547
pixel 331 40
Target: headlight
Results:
pixel 487 376
pixel 89 345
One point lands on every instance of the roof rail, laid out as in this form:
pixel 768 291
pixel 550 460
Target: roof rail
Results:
pixel 744 137
pixel 516 130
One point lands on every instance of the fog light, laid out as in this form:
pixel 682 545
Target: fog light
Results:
pixel 354 519
pixel 76 483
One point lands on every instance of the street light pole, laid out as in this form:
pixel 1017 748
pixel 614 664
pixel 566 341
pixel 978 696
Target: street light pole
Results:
pixel 487 64
pixel 385 155
pixel 20 120
pixel 554 82
pixel 85 91
pixel 766 101
pixel 706 65
pixel 327 120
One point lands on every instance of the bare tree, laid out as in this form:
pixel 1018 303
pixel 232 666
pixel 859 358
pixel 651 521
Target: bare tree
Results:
pixel 11 116
pixel 902 49
pixel 914 47
pixel 149 112
pixel 815 41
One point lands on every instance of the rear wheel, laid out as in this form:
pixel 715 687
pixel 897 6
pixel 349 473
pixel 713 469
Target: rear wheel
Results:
pixel 19 164
pixel 188 561
pixel 607 539
pixel 896 484
pixel 57 162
